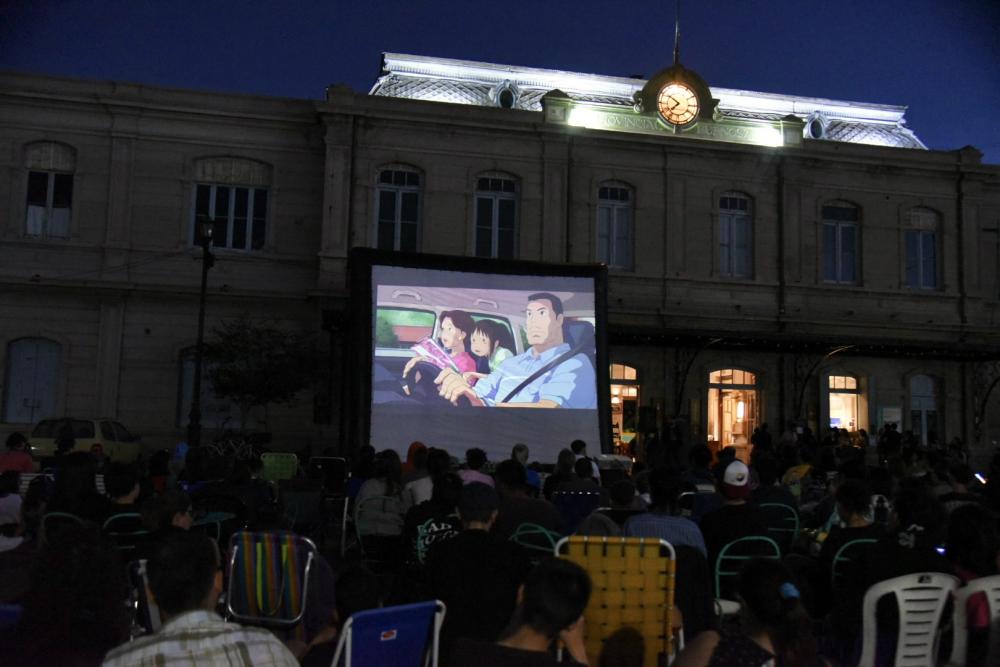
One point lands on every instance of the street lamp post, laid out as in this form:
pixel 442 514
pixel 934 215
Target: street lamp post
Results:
pixel 205 227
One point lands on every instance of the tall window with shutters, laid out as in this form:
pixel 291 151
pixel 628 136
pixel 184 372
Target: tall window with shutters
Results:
pixel 31 380
pixel 49 190
pixel 840 243
pixel 397 209
pixel 496 216
pixel 921 249
pixel 735 235
pixel 233 194
pixel 616 226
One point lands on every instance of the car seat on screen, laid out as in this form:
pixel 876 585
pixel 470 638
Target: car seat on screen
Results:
pixel 579 334
pixel 581 338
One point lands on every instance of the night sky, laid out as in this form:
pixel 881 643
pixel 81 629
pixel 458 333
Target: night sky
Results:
pixel 939 57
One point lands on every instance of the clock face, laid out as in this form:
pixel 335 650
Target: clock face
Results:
pixel 677 104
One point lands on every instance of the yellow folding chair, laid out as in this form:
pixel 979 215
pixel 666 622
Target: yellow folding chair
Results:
pixel 633 586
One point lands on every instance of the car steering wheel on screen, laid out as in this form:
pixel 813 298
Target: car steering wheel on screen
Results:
pixel 422 388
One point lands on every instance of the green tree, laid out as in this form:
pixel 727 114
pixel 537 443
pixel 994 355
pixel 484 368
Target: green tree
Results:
pixel 256 364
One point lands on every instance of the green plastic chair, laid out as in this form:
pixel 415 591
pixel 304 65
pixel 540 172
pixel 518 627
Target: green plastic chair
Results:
pixel 279 466
pixel 845 554
pixel 125 531
pixel 729 563
pixel 782 523
pixel 538 541
pixel 52 521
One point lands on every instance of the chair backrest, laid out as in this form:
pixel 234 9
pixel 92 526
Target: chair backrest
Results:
pixel 633 585
pixel 989 587
pixel 574 506
pixel 369 510
pixel 730 560
pixel 10 615
pixel 782 523
pixel 126 531
pixel 538 541
pixel 269 578
pixel 845 555
pixel 278 466
pixel 921 599
pixel 403 636
pixel 332 471
pixel 147 613
pixel 53 521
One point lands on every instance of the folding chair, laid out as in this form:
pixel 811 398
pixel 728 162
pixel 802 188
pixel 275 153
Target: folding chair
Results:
pixel 126 532
pixel 921 599
pixel 782 522
pixel 269 579
pixel 278 466
pixel 633 585
pixel 845 555
pixel 575 506
pixel 146 614
pixel 53 521
pixel 990 588
pixel 729 563
pixel 367 513
pixel 403 636
pixel 538 541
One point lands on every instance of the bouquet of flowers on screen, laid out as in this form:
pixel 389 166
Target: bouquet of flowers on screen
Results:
pixel 432 351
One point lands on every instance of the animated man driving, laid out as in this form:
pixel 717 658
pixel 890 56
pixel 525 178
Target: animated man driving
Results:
pixel 568 384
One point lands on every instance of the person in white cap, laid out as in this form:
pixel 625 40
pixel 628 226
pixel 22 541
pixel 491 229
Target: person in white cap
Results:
pixel 736 518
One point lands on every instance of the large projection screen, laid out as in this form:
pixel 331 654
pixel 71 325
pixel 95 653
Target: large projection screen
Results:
pixel 482 353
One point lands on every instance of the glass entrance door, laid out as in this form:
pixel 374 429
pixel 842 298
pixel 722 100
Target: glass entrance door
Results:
pixel 733 410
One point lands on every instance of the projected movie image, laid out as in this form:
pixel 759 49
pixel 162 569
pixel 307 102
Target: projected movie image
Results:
pixel 482 360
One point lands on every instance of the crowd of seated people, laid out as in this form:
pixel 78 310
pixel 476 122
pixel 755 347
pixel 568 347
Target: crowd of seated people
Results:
pixel 437 528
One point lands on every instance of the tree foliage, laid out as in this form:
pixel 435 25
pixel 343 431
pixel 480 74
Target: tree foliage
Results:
pixel 255 363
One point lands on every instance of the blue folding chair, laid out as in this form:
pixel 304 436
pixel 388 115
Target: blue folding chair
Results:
pixel 403 636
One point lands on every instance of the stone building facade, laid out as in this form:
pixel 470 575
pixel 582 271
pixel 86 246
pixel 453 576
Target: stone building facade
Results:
pixel 787 259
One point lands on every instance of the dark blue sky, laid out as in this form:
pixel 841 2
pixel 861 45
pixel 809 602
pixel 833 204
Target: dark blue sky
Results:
pixel 939 57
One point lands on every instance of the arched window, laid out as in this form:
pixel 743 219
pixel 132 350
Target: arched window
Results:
pixel 616 225
pixel 921 248
pixel 397 208
pixel 50 189
pixel 496 215
pixel 31 380
pixel 735 235
pixel 841 242
pixel 233 193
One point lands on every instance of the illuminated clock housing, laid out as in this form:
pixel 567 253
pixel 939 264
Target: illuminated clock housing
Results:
pixel 678 97
pixel 677 103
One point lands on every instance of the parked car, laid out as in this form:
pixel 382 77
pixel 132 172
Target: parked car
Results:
pixel 106 435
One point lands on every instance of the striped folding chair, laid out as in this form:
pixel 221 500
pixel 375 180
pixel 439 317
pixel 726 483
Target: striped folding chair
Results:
pixel 633 586
pixel 269 579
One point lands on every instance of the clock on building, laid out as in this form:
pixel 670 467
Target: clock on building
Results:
pixel 677 104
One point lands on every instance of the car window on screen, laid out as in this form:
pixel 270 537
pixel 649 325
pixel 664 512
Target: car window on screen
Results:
pixel 123 433
pixel 107 432
pixel 399 328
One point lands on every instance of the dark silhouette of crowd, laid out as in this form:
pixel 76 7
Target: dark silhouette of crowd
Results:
pixel 478 535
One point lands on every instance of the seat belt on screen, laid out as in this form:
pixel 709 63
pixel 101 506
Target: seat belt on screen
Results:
pixel 569 354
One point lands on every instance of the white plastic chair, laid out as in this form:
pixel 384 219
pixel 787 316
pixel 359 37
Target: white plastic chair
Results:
pixel 990 586
pixel 920 598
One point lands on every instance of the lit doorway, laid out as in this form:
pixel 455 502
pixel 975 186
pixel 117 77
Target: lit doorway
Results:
pixel 624 407
pixel 733 410
pixel 845 397
pixel 923 409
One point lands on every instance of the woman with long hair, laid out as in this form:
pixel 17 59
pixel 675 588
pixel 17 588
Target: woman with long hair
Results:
pixel 776 630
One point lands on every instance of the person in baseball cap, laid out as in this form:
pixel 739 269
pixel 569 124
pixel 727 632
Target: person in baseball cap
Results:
pixel 735 483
